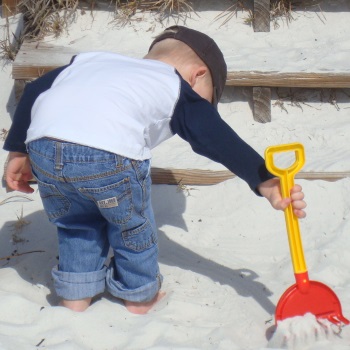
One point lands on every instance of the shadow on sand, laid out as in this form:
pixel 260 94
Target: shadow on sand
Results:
pixel 38 241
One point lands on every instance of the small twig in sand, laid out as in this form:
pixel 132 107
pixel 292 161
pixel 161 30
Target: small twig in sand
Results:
pixel 7 200
pixel 280 103
pixel 40 342
pixel 184 188
pixel 296 100
pixel 333 99
pixel 3 134
pixel 17 227
pixel 19 254
pixel 324 17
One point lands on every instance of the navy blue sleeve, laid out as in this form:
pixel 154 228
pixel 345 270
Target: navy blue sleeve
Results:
pixel 21 120
pixel 198 122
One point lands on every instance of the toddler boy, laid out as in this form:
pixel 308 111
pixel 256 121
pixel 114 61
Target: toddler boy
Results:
pixel 86 130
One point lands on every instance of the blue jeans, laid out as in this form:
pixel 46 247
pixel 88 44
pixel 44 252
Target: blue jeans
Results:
pixel 98 200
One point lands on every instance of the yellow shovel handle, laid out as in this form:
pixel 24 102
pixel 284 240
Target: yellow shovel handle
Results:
pixel 287 182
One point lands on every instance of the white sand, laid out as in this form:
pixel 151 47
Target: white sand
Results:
pixel 223 251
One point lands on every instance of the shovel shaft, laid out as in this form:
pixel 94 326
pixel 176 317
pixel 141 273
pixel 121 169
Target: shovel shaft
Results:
pixel 286 177
pixel 293 229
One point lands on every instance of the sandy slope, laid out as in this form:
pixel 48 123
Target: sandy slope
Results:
pixel 223 251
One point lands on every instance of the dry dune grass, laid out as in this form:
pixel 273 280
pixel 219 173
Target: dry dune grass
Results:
pixel 163 8
pixel 52 17
pixel 45 17
pixel 9 46
pixel 279 10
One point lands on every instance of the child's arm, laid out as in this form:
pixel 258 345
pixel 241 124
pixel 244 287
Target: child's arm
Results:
pixel 196 121
pixel 19 172
pixel 271 190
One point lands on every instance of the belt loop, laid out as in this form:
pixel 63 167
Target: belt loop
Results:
pixel 119 160
pixel 58 156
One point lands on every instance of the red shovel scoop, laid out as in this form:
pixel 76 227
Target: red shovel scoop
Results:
pixel 304 296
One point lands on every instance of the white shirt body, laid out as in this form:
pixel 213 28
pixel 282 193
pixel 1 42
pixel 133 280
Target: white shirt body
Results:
pixel 107 101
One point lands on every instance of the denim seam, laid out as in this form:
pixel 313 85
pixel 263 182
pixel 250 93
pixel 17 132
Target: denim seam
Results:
pixel 112 156
pixel 128 235
pixel 67 204
pixel 142 184
pixel 58 178
pixel 109 187
pixel 95 177
pixel 77 179
pixel 93 161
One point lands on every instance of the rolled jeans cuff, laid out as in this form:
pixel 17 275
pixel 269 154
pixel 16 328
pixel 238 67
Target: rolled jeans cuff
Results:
pixel 79 285
pixel 142 294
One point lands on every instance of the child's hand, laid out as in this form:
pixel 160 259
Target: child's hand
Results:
pixel 19 172
pixel 271 191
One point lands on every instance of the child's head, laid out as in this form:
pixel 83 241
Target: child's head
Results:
pixel 197 58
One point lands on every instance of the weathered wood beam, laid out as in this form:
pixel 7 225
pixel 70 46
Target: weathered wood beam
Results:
pixel 241 78
pixel 210 177
pixel 31 72
pixel 289 79
pixel 170 176
pixel 37 58
pixel 261 13
pixel 34 59
pixel 199 177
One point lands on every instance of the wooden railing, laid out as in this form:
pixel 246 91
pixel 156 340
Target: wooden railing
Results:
pixel 37 58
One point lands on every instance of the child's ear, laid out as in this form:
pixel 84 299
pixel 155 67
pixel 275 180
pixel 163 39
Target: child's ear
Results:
pixel 196 74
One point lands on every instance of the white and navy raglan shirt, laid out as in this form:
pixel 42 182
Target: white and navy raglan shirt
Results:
pixel 128 106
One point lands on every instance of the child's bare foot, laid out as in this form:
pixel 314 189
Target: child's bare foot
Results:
pixel 76 305
pixel 143 307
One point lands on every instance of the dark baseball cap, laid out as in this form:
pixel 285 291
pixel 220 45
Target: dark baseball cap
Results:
pixel 206 49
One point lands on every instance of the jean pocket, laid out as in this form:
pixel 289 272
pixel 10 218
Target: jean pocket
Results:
pixel 55 203
pixel 114 201
pixel 140 239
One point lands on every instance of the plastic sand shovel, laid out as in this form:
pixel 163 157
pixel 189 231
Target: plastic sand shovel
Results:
pixel 304 296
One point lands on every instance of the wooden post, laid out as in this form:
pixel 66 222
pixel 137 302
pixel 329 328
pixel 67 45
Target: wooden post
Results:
pixel 9 7
pixel 262 104
pixel 261 16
